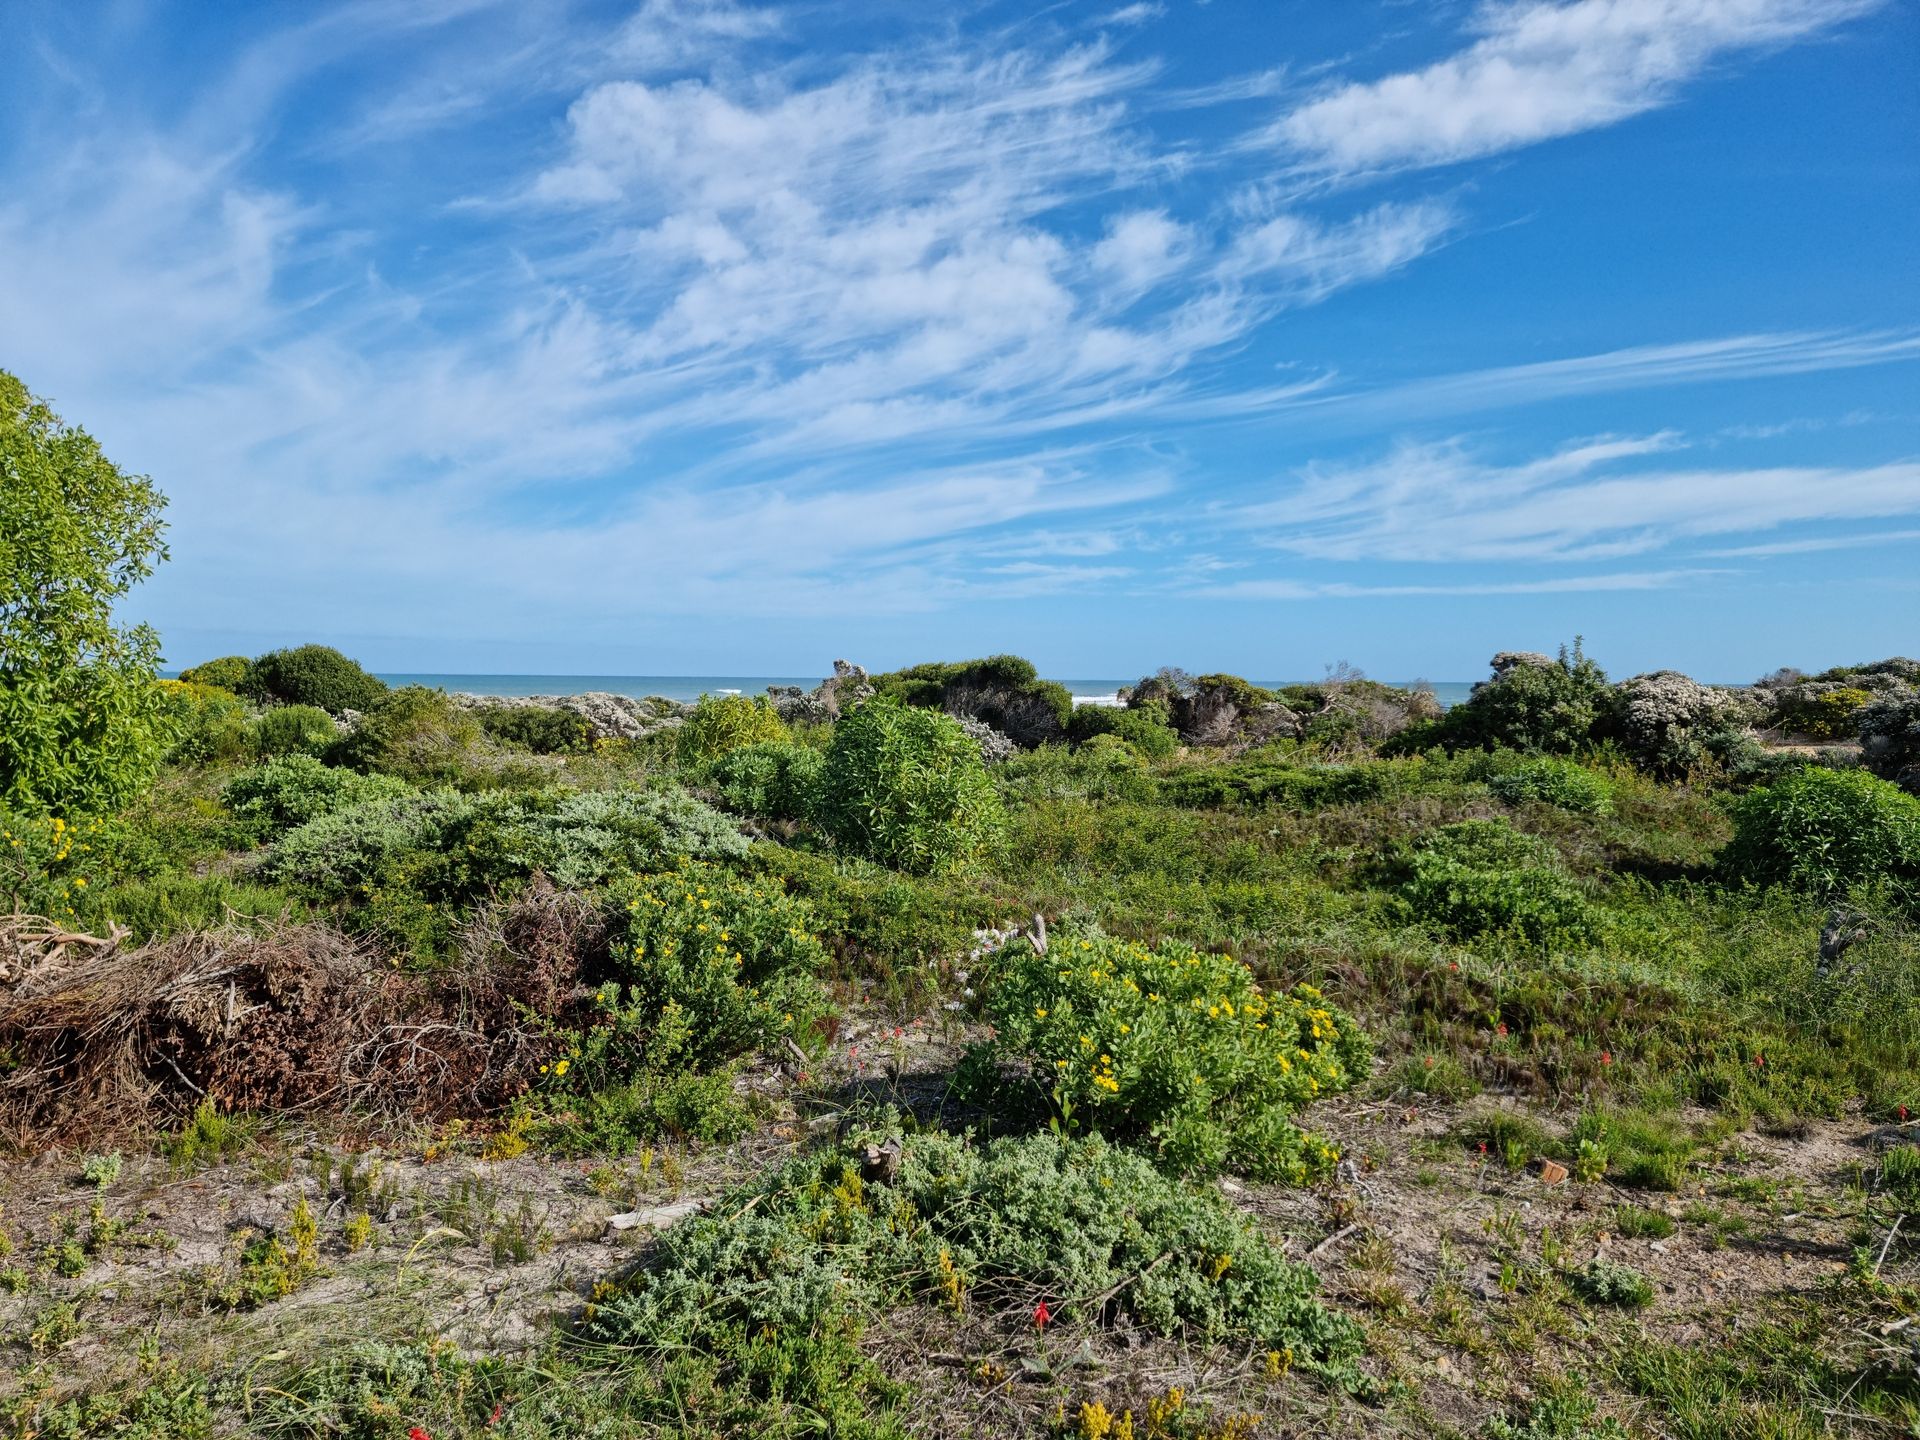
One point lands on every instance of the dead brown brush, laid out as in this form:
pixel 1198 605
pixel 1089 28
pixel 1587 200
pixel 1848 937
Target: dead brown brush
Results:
pixel 98 1037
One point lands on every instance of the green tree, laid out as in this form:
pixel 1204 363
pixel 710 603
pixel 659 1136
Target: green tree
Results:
pixel 82 723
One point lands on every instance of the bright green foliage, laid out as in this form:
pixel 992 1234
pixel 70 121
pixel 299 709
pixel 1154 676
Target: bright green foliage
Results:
pixel 1146 729
pixel 82 725
pixel 1825 830
pixel 46 865
pixel 1005 691
pixel 1550 780
pixel 1833 715
pixel 1101 770
pixel 229 672
pixel 907 787
pixel 1560 1412
pixel 720 723
pixel 1262 779
pixel 771 780
pixel 343 851
pixel 1547 709
pixel 416 733
pixel 313 675
pixel 811 1246
pixel 295 729
pixel 536 728
pixel 1175 1048
pixel 287 792
pixel 1483 876
pixel 712 966
pixel 208 724
pixel 588 837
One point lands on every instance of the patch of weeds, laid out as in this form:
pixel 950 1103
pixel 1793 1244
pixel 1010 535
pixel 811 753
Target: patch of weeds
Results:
pixel 1636 1222
pixel 273 1266
pixel 53 1326
pixel 1719 1225
pixel 473 1207
pixel 356 1233
pixel 100 1171
pixel 1607 1282
pixel 207 1137
pixel 1438 1076
pixel 1560 1411
pixel 1508 1136
pixel 1169 1415
pixel 1641 1149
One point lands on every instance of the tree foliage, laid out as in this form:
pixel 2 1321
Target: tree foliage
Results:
pixel 82 724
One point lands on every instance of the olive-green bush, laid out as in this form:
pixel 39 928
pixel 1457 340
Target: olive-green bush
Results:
pixel 720 723
pixel 295 729
pixel 1145 728
pixel 1483 876
pixel 229 672
pixel 1823 831
pixel 907 787
pixel 312 675
pixel 771 780
pixel 207 725
pixel 1549 780
pixel 416 733
pixel 290 790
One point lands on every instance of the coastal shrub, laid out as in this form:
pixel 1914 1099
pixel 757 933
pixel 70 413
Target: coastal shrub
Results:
pixel 1823 831
pixel 290 790
pixel 229 672
pixel 82 725
pixel 1101 769
pixel 47 865
pixel 1549 780
pixel 1146 728
pixel 543 730
pixel 1823 715
pixel 1482 876
pixel 1263 779
pixel 1890 738
pixel 1003 691
pixel 771 780
pixel 1089 1226
pixel 418 734
pixel 907 787
pixel 295 729
pixel 580 838
pixel 720 723
pixel 1173 1048
pixel 1663 720
pixel 312 675
pixel 1533 703
pixel 207 725
pixel 342 851
pixel 712 965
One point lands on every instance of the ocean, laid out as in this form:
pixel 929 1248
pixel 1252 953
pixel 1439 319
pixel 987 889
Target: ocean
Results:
pixel 692 687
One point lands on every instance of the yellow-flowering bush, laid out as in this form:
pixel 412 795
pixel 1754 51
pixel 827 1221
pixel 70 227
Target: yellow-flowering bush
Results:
pixel 1173 1046
pixel 44 863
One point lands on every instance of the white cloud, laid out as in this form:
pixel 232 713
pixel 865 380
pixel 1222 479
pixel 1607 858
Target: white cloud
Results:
pixel 1559 585
pixel 1142 247
pixel 1136 14
pixel 1314 258
pixel 670 34
pixel 1434 503
pixel 1541 70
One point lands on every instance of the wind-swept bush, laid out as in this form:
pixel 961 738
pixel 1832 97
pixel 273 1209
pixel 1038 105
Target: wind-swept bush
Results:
pixel 229 672
pixel 1174 1048
pixel 1532 703
pixel 721 723
pixel 1823 831
pixel 1145 728
pixel 207 724
pixel 907 787
pixel 1003 691
pixel 313 675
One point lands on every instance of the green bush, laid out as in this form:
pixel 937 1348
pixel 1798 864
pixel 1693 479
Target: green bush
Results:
pixel 1146 729
pixel 295 730
pixel 1481 877
pixel 720 723
pixel 208 724
pixel 1258 780
pixel 47 865
pixel 812 1247
pixel 418 734
pixel 1003 691
pixel 1823 831
pixel 1173 1048
pixel 771 779
pixel 1546 708
pixel 907 787
pixel 1607 1282
pixel 82 725
pixel 348 850
pixel 1832 715
pixel 588 837
pixel 712 966
pixel 313 675
pixel 537 728
pixel 229 672
pixel 1562 784
pixel 1101 769
pixel 290 790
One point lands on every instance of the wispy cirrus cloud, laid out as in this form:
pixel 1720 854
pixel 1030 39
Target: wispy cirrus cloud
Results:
pixel 1539 69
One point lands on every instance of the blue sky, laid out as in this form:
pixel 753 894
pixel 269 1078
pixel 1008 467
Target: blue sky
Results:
pixel 686 336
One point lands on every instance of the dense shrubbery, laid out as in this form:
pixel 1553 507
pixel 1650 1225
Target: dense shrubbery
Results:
pixel 535 727
pixel 1553 781
pixel 347 850
pixel 295 729
pixel 420 735
pixel 1003 691
pixel 46 864
pixel 772 780
pixel 208 725
pixel 312 675
pixel 229 672
pixel 1533 704
pixel 584 838
pixel 1105 768
pixel 1145 728
pixel 1824 714
pixel 906 787
pixel 1263 778
pixel 1174 1048
pixel 720 723
pixel 287 792
pixel 1079 1221
pixel 1483 876
pixel 1824 831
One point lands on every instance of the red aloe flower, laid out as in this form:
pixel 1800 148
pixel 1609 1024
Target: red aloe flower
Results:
pixel 1041 1315
pixel 417 1433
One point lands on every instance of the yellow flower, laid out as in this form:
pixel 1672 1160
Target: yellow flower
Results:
pixel 561 1067
pixel 1039 1012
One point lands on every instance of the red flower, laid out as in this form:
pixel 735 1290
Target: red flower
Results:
pixel 416 1433
pixel 1501 1028
pixel 1453 964
pixel 1903 1112
pixel 1429 1062
pixel 1606 1057
pixel 1041 1315
pixel 499 1408
pixel 1483 1147
pixel 1760 1060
